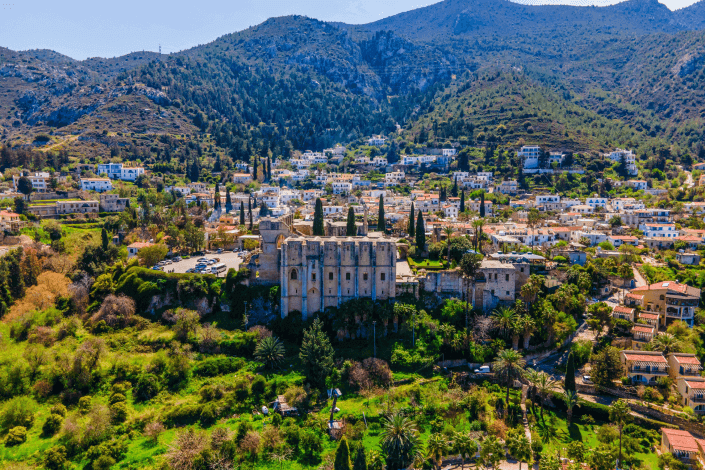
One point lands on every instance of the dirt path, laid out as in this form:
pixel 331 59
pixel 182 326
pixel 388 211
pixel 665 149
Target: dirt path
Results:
pixel 638 278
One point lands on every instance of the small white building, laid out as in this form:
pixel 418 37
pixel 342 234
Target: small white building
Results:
pixel 530 155
pixel 96 184
pixel 242 178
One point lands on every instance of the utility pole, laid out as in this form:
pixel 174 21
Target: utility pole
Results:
pixel 374 339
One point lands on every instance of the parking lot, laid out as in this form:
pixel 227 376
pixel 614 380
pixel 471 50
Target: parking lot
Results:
pixel 230 259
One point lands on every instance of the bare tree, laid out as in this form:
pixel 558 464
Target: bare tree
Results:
pixel 116 310
pixel 185 448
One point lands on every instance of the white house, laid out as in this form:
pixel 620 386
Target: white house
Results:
pixel 38 180
pixel 96 184
pixel 376 140
pixel 637 185
pixel 595 202
pixel 629 159
pixel 530 155
pixel 112 170
pixel 659 230
pixel 134 248
pixel 341 187
pixel 242 178
pixel 131 173
pixel 449 152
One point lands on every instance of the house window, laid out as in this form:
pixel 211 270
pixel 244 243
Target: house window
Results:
pixel 294 275
pixel 382 276
pixel 364 277
pixel 522 269
pixel 507 292
pixel 313 276
pixel 506 277
pixel 330 276
pixel 347 278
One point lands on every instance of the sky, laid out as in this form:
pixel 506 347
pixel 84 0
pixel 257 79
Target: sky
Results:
pixel 101 28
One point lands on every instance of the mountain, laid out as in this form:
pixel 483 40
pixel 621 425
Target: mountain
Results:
pixel 298 83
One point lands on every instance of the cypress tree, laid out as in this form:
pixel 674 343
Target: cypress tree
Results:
pixel 482 204
pixel 254 169
pixel 242 213
pixel 360 462
pixel 570 373
pixel 412 227
pixel 228 200
pixel 454 191
pixel 104 239
pixel 249 205
pixel 342 456
pixel 318 228
pixel 216 196
pixel 462 202
pixel 252 225
pixel 351 229
pixel 381 224
pixel 420 233
pixel 269 168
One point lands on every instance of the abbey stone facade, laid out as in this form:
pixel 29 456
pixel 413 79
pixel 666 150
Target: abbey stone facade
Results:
pixel 319 272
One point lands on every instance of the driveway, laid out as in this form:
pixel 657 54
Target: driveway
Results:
pixel 231 260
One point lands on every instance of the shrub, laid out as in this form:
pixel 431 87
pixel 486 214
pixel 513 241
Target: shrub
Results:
pixel 118 412
pixel 115 398
pixel 259 385
pixel 59 409
pixel 214 366
pixel 147 387
pixel 209 413
pixel 84 404
pixel 104 462
pixel 55 458
pixel 182 415
pixel 18 412
pixel 52 424
pixel 16 436
pixel 153 430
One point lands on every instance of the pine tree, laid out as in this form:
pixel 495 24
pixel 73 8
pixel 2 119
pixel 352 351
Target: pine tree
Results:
pixel 381 223
pixel 412 226
pixel 482 204
pixel 360 462
pixel 318 228
pixel 570 373
pixel 342 456
pixel 242 213
pixel 351 229
pixel 462 202
pixel 316 355
pixel 420 233
pixel 252 225
pixel 228 200
pixel 104 239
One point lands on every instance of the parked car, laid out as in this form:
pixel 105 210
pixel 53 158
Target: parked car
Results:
pixel 219 251
pixel 190 270
pixel 202 260
pixel 586 379
pixel 483 370
pixel 177 259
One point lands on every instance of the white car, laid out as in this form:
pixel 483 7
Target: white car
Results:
pixel 483 370
pixel 586 379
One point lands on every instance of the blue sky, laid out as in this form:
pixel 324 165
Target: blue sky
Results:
pixel 83 29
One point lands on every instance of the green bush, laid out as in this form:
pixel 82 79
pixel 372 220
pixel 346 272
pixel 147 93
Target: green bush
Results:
pixel 55 458
pixel 19 411
pixel 59 409
pixel 52 424
pixel 183 415
pixel 214 366
pixel 209 414
pixel 84 404
pixel 16 436
pixel 118 412
pixel 116 397
pixel 104 462
pixel 147 387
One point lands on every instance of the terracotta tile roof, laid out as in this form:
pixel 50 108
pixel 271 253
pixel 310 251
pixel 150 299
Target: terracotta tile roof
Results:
pixel 623 309
pixel 682 440
pixel 140 245
pixel 687 359
pixel 669 285
pixel 643 329
pixel 643 357
pixel 648 316
pixel 631 295
pixel 695 384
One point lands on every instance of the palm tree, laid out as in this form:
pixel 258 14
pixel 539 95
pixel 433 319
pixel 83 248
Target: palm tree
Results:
pixel 533 286
pixel 436 448
pixel 477 229
pixel 519 447
pixel 544 385
pixel 464 445
pixel 620 414
pixel 504 318
pixel 399 441
pixel 270 351
pixel 528 326
pixel 570 397
pixel 510 364
pixel 448 230
pixel 667 343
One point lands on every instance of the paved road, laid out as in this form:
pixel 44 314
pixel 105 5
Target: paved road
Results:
pixel 638 278
pixel 231 260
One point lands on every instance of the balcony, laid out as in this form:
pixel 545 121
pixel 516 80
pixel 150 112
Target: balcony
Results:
pixel 648 370
pixel 697 398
